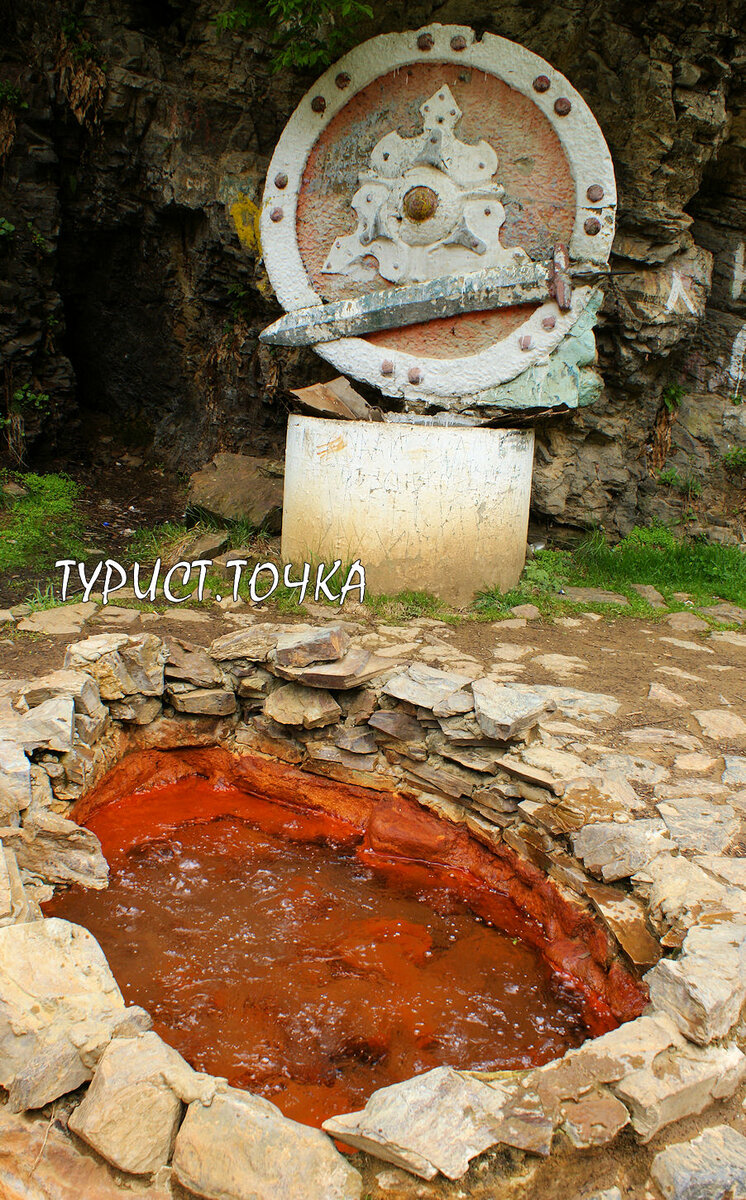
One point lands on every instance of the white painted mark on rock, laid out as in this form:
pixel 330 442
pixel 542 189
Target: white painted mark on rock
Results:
pixel 679 293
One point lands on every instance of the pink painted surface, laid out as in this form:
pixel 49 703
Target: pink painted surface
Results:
pixel 539 195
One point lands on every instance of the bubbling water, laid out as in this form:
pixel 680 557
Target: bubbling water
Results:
pixel 271 948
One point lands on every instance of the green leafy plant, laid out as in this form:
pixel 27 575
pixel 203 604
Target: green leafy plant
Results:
pixel 6 228
pixel 672 395
pixel 10 96
pixel 735 460
pixel 687 485
pixel 24 401
pixel 302 33
pixel 39 241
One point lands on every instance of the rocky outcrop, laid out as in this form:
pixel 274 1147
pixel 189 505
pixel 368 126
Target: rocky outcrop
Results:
pixel 134 160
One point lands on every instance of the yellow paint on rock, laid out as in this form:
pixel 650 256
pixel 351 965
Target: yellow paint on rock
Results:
pixel 245 215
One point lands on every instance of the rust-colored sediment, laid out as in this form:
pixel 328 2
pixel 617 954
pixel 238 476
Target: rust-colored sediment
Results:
pixel 313 941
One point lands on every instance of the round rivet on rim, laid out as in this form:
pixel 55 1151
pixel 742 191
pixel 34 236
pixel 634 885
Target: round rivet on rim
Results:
pixel 276 215
pixel 425 41
pixel 387 367
pixel 592 226
pixel 318 104
pixel 548 322
pixel 414 375
pixel 542 83
pixel 562 106
pixel 525 342
pixel 458 42
pixel 595 193
pixel 343 80
pixel 281 180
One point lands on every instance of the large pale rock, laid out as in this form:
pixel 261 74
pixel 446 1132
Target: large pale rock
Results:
pixel 593 595
pixel 240 1147
pixel 15 781
pixel 57 850
pixel 136 710
pixel 696 824
pixel 434 1122
pixel 571 702
pixel 292 704
pixel 16 906
pixel 709 1167
pixel 728 870
pixel 632 1047
pixel 236 487
pixel 616 851
pixel 50 726
pixel 132 1109
pixel 122 665
pixel 721 724
pixel 681 894
pixel 704 989
pixel 681 1083
pixel 300 649
pixel 77 686
pixel 59 1008
pixel 505 714
pixel 425 686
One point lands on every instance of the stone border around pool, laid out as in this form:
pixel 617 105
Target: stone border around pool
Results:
pixel 479 753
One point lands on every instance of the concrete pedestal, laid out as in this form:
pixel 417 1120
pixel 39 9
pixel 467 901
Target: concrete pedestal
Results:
pixel 424 508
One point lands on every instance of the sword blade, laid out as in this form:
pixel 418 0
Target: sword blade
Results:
pixel 496 287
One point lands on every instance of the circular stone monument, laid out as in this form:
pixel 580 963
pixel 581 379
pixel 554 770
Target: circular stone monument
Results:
pixel 437 217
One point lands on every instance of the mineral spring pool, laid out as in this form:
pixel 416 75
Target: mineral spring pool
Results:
pixel 272 949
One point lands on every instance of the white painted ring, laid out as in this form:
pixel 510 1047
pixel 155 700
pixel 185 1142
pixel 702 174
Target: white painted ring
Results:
pixel 590 164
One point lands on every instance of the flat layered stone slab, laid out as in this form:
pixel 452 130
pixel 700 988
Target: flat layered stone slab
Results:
pixel 56 849
pixel 435 1122
pixel 731 871
pixel 66 621
pixel 709 1167
pixel 49 726
pixel 357 667
pixel 293 704
pixel 591 595
pixel 253 643
pixel 397 725
pixel 300 649
pixel 617 851
pixel 503 713
pixel 427 687
pixel 191 664
pixel 208 702
pixel 720 724
pixel 132 1109
pixel 696 824
pixel 240 1147
pixel 682 1082
pixel 624 917
pixel 734 774
pixel 704 989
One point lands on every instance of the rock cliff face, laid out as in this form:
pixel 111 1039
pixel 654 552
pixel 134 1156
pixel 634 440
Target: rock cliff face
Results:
pixel 132 291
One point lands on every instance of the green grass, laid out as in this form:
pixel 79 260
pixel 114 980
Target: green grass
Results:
pixel 41 526
pixel 652 555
